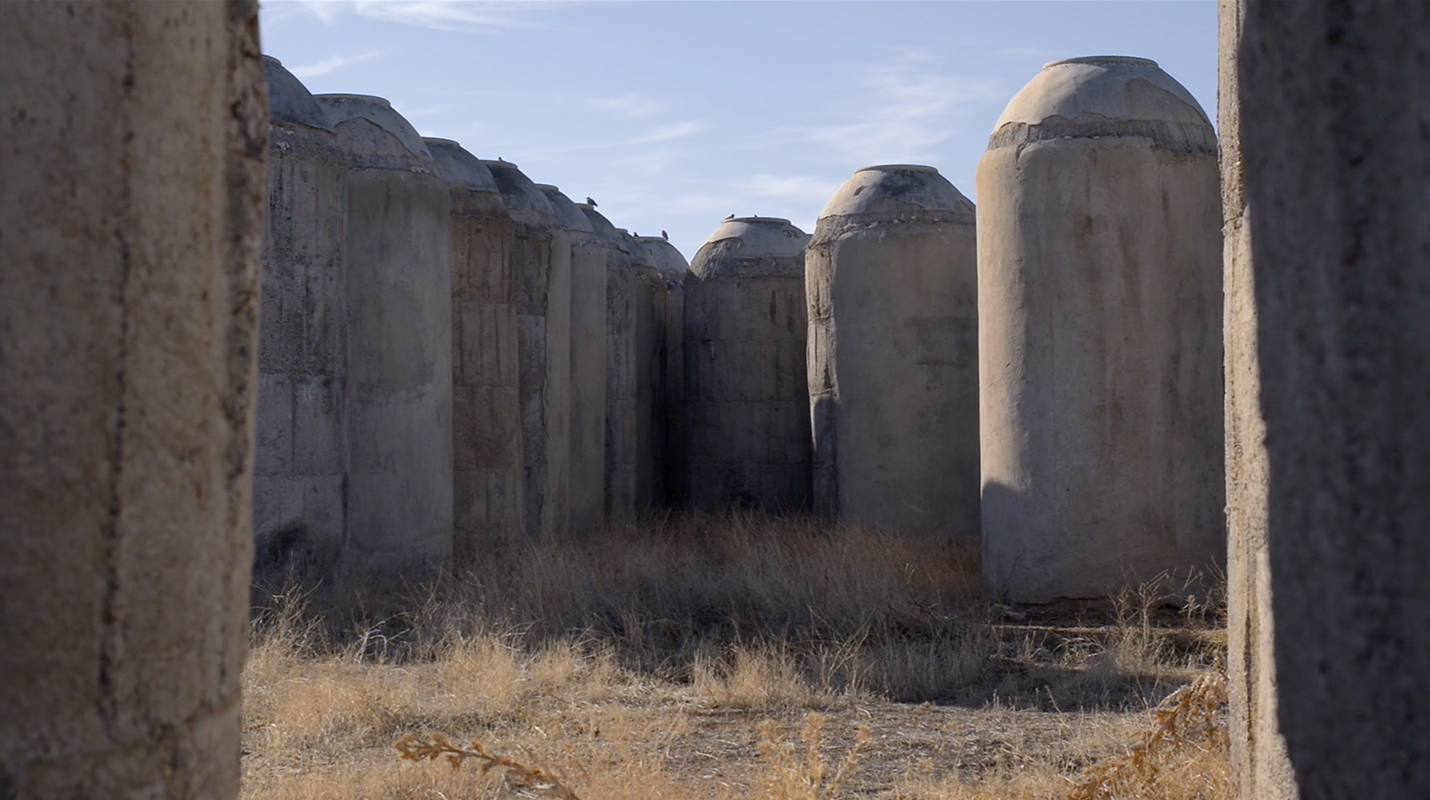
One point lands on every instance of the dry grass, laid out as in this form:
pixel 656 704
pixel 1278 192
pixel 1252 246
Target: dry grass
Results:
pixel 644 662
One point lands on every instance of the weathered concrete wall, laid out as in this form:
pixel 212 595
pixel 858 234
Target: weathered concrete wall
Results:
pixel 1258 751
pixel 1100 353
pixel 541 268
pixel 399 329
pixel 131 225
pixel 300 459
pixel 1328 130
pixel 587 485
pixel 649 341
pixel 620 444
pixel 672 268
pixel 486 408
pixel 891 278
pixel 747 398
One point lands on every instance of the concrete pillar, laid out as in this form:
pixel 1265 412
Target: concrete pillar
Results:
pixel 620 444
pixel 891 279
pixel 486 410
pixel 747 397
pixel 300 461
pixel 587 486
pixel 649 333
pixel 1260 767
pixel 541 268
pixel 1327 167
pixel 672 268
pixel 399 298
pixel 131 226
pixel 1099 313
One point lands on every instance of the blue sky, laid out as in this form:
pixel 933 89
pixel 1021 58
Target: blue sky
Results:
pixel 673 115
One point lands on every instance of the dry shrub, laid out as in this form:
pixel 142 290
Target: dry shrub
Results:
pixel 792 777
pixel 543 782
pixel 758 678
pixel 1183 755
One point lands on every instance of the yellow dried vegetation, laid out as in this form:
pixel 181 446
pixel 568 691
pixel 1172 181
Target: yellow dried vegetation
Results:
pixel 682 659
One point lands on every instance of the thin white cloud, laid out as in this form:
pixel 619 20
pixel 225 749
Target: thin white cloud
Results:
pixel 665 133
pixel 904 110
pixel 700 203
pixel 453 15
pixel 626 105
pixel 333 64
pixel 799 187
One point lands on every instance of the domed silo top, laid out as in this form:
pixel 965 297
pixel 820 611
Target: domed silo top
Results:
pixel 892 193
pixel 458 167
pixel 752 247
pixel 603 227
pixel 526 203
pixel 640 255
pixel 1099 96
pixel 665 255
pixel 289 101
pixel 374 134
pixel 568 216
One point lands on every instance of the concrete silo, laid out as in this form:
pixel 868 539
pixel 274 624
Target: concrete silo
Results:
pixel 746 396
pixel 541 269
pixel 1100 349
pixel 486 410
pixel 300 456
pixel 620 360
pixel 399 332
pixel 131 225
pixel 892 282
pixel 648 336
pixel 672 268
pixel 587 484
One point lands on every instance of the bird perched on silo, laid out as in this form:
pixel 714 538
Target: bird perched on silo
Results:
pixel 590 202
pixel 665 236
pixel 732 216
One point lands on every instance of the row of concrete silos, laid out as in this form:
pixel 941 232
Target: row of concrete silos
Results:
pixel 433 365
pixel 1043 371
pixel 1052 381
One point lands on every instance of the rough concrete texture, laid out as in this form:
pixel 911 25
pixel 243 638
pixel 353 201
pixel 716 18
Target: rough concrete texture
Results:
pixel 1328 153
pixel 650 297
pixel 541 269
pixel 486 409
pixel 300 458
pixel 747 398
pixel 1260 767
pixel 1099 251
pixel 399 298
pixel 586 491
pixel 891 278
pixel 620 444
pixel 131 225
pixel 673 268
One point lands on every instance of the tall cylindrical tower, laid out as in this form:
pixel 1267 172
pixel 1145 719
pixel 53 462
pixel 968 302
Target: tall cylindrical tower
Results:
pixel 747 399
pixel 300 467
pixel 620 359
pixel 486 413
pixel 672 270
pixel 892 283
pixel 1100 349
pixel 586 488
pixel 541 269
pixel 399 330
pixel 131 228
